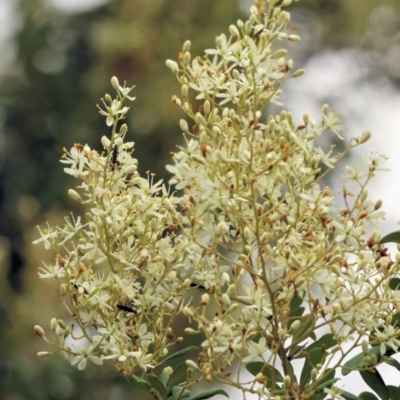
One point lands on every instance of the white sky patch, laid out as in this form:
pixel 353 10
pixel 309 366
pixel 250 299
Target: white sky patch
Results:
pixel 338 77
pixel 75 6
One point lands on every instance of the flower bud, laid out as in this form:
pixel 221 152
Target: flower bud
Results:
pixel 233 307
pixel 225 277
pixel 172 65
pixel 188 312
pixel 279 54
pixel 61 324
pixel 232 290
pixel 219 41
pixel 191 331
pixel 226 300
pixel 184 125
pixel 289 64
pixel 207 107
pixel 106 142
pixel 294 38
pixel 115 83
pixel 200 119
pixel 39 331
pixel 222 228
pixel 186 46
pixel 233 30
pixel 43 354
pixel 365 136
pixel 192 364
pixel 129 170
pixel 295 325
pixel 298 73
pixel 314 374
pixel 53 324
pixel 168 205
pixel 184 90
pixel 108 98
pixel 74 195
pixel 63 289
pixel 123 129
pixel 365 346
pixel 186 58
pixel 378 205
pixel 168 371
pixel 205 299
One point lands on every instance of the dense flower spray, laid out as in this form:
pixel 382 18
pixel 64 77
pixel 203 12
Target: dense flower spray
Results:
pixel 247 220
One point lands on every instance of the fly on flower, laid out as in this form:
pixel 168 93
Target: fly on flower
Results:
pixel 126 308
pixel 113 162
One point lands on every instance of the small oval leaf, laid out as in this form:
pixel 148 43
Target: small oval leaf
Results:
pixel 211 393
pixel 157 385
pixel 177 377
pixel 358 360
pixel 394 392
pixel 392 362
pixel 139 383
pixel 374 380
pixel 368 396
pixel 179 353
pixel 272 374
pixel 177 393
pixel 394 284
pixel 348 395
pixel 393 237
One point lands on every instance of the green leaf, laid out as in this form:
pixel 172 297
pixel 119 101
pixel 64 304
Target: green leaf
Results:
pixel 157 384
pixel 324 342
pixel 392 362
pixel 396 320
pixel 348 396
pixel 328 380
pixel 368 396
pixel 139 383
pixel 164 378
pixel 394 392
pixel 177 393
pixel 374 380
pixel 394 284
pixel 296 351
pixel 178 376
pixel 295 303
pixel 358 360
pixel 179 353
pixel 305 329
pixel 314 357
pixel 296 311
pixel 393 237
pixel 319 396
pixel 272 374
pixel 211 393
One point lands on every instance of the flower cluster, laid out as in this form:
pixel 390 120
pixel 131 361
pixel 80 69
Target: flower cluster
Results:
pixel 251 225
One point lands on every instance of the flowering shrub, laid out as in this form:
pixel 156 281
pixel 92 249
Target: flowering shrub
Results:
pixel 247 221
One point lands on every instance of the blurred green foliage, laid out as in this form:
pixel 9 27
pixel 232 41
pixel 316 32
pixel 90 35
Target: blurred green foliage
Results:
pixel 62 67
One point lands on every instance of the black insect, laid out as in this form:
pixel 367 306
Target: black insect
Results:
pixel 114 154
pixel 126 308
pixel 196 285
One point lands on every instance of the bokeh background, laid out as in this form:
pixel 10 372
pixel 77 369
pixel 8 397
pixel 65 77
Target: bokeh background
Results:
pixel 57 57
